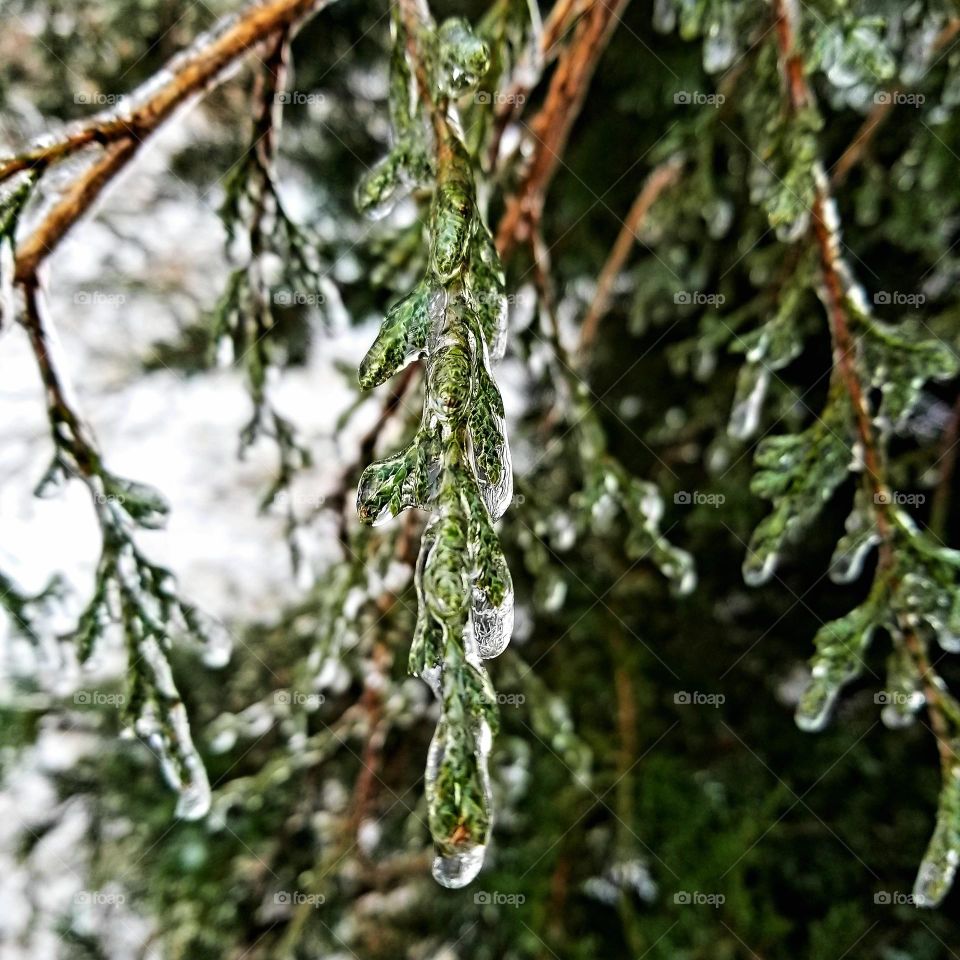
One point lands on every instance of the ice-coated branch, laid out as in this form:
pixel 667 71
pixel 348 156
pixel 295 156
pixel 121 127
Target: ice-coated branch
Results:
pixel 121 132
pixel 608 489
pixel 914 592
pixel 130 592
pixel 863 139
pixel 257 222
pixel 458 466
pixel 188 73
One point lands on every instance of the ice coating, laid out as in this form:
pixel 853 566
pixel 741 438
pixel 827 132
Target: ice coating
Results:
pixel 458 464
pixel 855 545
pixel 162 723
pixel 492 624
pixel 939 865
pixel 841 646
pixel 752 385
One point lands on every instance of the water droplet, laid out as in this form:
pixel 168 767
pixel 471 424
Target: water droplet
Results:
pixel 459 870
pixel 492 625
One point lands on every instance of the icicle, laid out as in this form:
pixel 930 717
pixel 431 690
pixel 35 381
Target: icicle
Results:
pixel 752 383
pixel 854 547
pixel 162 723
pixel 664 16
pixel 939 865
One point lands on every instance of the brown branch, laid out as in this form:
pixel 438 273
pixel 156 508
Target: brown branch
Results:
pixel 69 430
pixel 414 17
pixel 834 282
pixel 552 125
pixel 858 147
pixel 547 47
pixel 70 207
pixel 660 179
pixel 948 457
pixel 191 73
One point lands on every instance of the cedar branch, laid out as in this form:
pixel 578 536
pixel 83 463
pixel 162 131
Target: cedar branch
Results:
pixel 190 73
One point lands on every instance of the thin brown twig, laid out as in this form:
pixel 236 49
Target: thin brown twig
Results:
pixel 562 16
pixel 882 109
pixel 661 178
pixel 71 206
pixel 368 444
pixel 64 419
pixel 948 458
pixel 552 125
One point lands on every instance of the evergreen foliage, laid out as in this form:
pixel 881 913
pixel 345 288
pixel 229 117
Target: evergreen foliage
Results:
pixel 700 260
